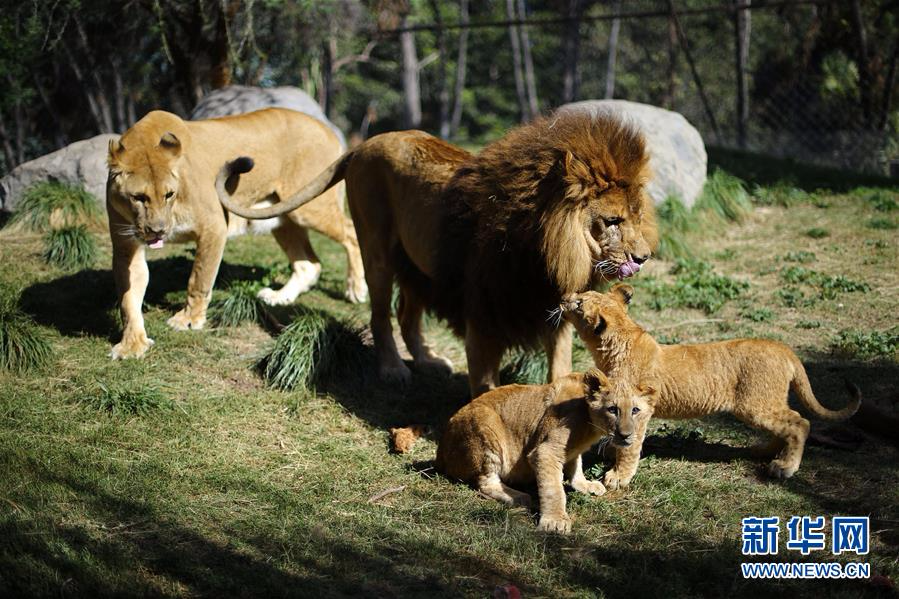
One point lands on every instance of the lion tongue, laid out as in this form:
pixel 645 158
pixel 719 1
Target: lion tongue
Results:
pixel 628 269
pixel 159 243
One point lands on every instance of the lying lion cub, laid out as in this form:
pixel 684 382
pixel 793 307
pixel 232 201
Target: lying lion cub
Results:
pixel 750 378
pixel 518 433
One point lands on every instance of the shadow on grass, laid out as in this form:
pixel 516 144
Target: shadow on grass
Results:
pixel 81 303
pixel 767 170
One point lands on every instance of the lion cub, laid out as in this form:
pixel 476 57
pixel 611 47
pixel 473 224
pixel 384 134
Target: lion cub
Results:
pixel 749 378
pixel 520 433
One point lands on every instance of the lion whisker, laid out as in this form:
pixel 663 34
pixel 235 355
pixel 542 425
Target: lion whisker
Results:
pixel 554 316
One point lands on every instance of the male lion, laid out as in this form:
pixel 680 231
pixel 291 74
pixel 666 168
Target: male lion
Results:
pixel 517 434
pixel 749 378
pixel 161 188
pixel 489 242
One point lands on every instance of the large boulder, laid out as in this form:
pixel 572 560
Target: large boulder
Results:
pixel 81 163
pixel 676 153
pixel 238 99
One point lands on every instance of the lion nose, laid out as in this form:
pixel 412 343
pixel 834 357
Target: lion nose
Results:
pixel 156 229
pixel 640 259
pixel 570 303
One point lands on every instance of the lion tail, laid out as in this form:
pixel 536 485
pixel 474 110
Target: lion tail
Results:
pixel 321 183
pixel 803 390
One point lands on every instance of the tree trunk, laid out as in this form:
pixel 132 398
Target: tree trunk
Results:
pixel 572 51
pixel 442 86
pixel 515 40
pixel 9 153
pixel 461 65
pixel 326 93
pixel 411 84
pixel 887 101
pixel 530 84
pixel 99 94
pixel 742 25
pixel 613 53
pixel 864 72
pixel 220 73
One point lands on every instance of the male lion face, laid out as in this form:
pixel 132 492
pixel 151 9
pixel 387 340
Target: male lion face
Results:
pixel 617 406
pixel 617 215
pixel 145 186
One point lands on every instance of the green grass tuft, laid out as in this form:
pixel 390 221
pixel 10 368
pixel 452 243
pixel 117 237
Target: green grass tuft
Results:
pixel 724 198
pixel 23 345
pixel 757 314
pixel 781 194
pixel 877 345
pixel 884 224
pixel 50 204
pixel 792 297
pixel 120 399
pixel 237 306
pixel 882 200
pixel 696 286
pixel 525 368
pixel 828 285
pixel 800 256
pixel 808 324
pixel 817 233
pixel 314 348
pixel 70 248
pixel 675 221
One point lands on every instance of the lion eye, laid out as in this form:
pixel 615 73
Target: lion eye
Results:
pixel 613 410
pixel 169 195
pixel 615 220
pixel 140 197
pixel 635 411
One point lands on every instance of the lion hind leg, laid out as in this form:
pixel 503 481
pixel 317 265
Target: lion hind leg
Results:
pixel 790 428
pixel 490 484
pixel 304 264
pixel 409 315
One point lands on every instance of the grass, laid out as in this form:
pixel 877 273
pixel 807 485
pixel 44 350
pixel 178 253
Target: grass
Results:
pixel 884 224
pixel 883 345
pixel 817 233
pixel 55 205
pixel 23 346
pixel 70 248
pixel 229 486
pixel 238 306
pixel 524 368
pixel 696 285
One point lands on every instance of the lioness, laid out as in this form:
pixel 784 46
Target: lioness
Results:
pixel 749 378
pixel 161 188
pixel 488 242
pixel 517 434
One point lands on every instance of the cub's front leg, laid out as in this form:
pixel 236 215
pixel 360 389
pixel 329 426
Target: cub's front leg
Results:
pixel 626 461
pixel 575 472
pixel 547 461
pixel 129 268
pixel 210 247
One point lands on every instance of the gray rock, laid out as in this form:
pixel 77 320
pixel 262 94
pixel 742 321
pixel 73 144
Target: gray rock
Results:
pixel 238 99
pixel 676 152
pixel 80 163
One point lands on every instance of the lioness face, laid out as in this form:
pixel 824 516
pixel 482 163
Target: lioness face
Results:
pixel 145 187
pixel 595 314
pixel 617 218
pixel 618 407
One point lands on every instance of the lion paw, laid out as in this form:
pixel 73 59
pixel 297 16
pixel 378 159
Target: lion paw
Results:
pixel 781 470
pixel 556 524
pixel 436 362
pixel 589 487
pixel 131 348
pixel 356 291
pixel 613 481
pixel 271 297
pixel 395 375
pixel 182 322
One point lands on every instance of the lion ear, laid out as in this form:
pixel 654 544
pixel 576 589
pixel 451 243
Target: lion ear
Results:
pixel 171 143
pixel 115 150
pixel 595 380
pixel 624 292
pixel 647 390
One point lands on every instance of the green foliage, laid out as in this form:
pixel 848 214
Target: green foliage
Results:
pixel 725 255
pixel 23 345
pixel 780 194
pixel 724 197
pixel 675 221
pixel 126 399
pixel 817 233
pixel 828 286
pixel 791 297
pixel 696 286
pixel 808 324
pixel 868 344
pixel 525 368
pixel 800 256
pixel 50 204
pixel 237 305
pixel 885 224
pixel 882 200
pixel 70 248
pixel 757 314
pixel 314 348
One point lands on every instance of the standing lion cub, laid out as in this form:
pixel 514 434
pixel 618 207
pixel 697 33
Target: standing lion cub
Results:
pixel 749 378
pixel 517 434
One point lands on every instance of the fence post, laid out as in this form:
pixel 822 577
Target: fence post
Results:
pixel 742 25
